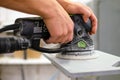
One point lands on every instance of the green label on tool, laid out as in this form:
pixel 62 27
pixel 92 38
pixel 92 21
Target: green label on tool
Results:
pixel 82 44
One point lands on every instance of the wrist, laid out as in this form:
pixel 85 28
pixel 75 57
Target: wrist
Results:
pixel 64 3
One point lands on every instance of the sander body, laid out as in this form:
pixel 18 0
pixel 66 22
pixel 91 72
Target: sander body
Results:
pixel 28 32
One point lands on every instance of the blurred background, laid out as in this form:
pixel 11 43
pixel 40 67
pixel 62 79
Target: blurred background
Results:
pixel 106 39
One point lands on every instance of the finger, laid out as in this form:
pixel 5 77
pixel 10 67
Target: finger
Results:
pixel 86 14
pixel 94 23
pixel 67 35
pixel 55 36
pixel 67 38
pixel 64 37
pixel 59 37
pixel 70 37
pixel 70 33
pixel 54 40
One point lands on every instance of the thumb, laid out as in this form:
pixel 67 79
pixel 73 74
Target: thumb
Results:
pixel 85 18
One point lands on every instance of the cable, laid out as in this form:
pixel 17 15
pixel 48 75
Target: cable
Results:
pixel 9 27
pixel 46 50
pixel 58 50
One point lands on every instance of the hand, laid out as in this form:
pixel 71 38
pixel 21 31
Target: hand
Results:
pixel 58 22
pixel 79 8
pixel 60 27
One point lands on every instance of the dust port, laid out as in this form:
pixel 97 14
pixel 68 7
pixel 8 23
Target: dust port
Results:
pixel 117 64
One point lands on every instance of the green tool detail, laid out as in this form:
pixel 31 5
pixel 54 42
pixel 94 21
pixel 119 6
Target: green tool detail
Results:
pixel 82 44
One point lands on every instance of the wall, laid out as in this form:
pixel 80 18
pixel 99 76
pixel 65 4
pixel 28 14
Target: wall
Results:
pixel 109 30
pixel 109 21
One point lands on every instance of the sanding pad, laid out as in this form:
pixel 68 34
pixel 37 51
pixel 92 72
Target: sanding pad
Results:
pixel 78 55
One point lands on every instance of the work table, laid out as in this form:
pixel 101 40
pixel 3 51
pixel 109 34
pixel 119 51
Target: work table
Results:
pixel 14 61
pixel 30 69
pixel 105 64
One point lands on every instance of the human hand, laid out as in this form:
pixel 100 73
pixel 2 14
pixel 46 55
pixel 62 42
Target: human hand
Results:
pixel 60 27
pixel 79 8
pixel 57 20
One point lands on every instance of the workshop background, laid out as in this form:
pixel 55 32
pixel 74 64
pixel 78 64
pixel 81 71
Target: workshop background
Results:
pixel 107 40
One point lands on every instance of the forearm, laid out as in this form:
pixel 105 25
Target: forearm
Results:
pixel 65 3
pixel 44 8
pixel 70 6
pixel 15 5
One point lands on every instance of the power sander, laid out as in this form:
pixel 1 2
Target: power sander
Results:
pixel 30 30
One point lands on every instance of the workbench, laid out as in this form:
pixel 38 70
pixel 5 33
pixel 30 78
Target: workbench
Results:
pixel 104 64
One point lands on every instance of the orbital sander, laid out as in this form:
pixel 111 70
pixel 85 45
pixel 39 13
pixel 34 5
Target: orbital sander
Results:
pixel 81 47
pixel 29 31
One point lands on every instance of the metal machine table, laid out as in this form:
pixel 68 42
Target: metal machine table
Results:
pixel 105 64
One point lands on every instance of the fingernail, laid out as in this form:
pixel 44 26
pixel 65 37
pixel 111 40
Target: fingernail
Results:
pixel 85 19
